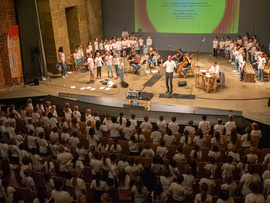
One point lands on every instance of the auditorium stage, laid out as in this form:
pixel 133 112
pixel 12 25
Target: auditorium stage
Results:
pixel 251 98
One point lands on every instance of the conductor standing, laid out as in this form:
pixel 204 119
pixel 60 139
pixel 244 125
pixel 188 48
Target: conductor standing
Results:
pixel 170 66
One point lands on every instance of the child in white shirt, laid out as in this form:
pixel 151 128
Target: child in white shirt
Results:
pixel 133 121
pixel 190 128
pixel 221 48
pixel 169 137
pixel 185 140
pixel 76 114
pixel 133 146
pixel 147 151
pixel 155 135
pixel 161 124
pixel 173 126
pixel 215 47
pixel 229 125
pixel 161 149
pixel 219 127
pixel 146 125
pixel 121 120
pixel 98 64
pixel 108 60
pixel 116 148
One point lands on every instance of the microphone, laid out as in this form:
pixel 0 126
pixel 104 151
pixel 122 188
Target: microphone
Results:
pixel 203 39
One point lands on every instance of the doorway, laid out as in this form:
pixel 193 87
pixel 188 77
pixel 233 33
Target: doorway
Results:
pixel 73 27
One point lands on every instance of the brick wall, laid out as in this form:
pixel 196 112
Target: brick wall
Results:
pixel 7 19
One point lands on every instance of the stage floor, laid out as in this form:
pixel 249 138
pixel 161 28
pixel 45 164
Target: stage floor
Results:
pixel 251 98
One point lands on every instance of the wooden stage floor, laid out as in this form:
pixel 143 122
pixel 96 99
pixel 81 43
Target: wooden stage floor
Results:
pixel 251 98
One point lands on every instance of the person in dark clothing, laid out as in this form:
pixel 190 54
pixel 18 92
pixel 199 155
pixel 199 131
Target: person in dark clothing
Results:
pixel 149 178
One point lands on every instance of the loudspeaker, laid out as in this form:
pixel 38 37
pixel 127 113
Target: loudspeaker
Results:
pixel 146 96
pixel 182 83
pixel 124 84
pixel 36 81
pixel 268 101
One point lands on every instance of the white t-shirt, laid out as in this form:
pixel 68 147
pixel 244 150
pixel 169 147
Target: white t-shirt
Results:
pixel 162 125
pixel 155 136
pixel 183 141
pixel 98 62
pixel 174 127
pixel 179 191
pixel 231 188
pixel 146 126
pixel 140 42
pixel 108 60
pixel 101 187
pixel 204 126
pixel 170 139
pixel 96 45
pixel 64 158
pixel 190 129
pixel 96 165
pixel 215 70
pixel 61 196
pixel 227 170
pixel 229 126
pixel 162 151
pixel 149 42
pixel 215 44
pixel 221 44
pixel 262 62
pixel 147 152
pixel 179 157
pixel 115 61
pixel 198 198
pixel 188 182
pixel 170 65
pixel 247 179
pixel 219 128
pixel 254 198
pixel 133 123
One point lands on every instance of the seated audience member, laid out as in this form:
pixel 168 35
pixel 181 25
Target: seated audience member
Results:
pixel 196 153
pixel 169 137
pixel 147 151
pixel 179 156
pixel 158 195
pixel 178 190
pixel 185 140
pixel 190 128
pixel 98 186
pixel 58 194
pixel 246 138
pixel 247 179
pixel 229 185
pixel 224 197
pixel 162 149
pixel 255 130
pixel 214 152
pixel 210 182
pixel 139 191
pixel 254 195
pixel 199 139
pixel 252 158
pixel 155 135
pixel 203 196
pixel 216 140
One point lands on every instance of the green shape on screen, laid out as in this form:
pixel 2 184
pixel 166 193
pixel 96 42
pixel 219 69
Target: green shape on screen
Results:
pixel 185 16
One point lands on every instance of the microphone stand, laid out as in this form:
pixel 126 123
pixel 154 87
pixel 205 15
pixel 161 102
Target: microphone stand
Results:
pixel 199 52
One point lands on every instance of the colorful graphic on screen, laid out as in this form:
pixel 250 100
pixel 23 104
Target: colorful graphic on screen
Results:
pixel 187 16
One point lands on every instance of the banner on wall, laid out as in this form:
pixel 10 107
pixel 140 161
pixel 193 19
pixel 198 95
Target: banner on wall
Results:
pixel 14 52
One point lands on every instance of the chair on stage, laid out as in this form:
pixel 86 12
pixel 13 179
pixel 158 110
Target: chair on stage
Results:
pixel 191 70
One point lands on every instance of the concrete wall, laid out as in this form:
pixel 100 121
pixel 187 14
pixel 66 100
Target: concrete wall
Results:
pixel 7 19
